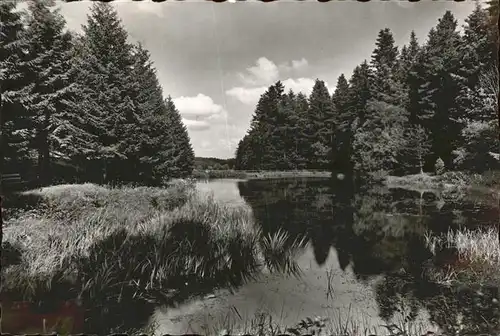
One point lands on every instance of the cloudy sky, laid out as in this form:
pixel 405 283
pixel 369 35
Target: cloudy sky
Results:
pixel 215 59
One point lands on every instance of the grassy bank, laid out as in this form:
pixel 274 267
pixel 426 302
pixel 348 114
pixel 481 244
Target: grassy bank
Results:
pixel 449 180
pixel 476 260
pixel 240 174
pixel 108 247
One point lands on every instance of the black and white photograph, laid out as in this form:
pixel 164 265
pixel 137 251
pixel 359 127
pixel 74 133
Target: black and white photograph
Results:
pixel 250 167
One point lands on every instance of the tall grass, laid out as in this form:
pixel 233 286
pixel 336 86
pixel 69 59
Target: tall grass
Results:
pixel 126 244
pixel 478 255
pixel 331 323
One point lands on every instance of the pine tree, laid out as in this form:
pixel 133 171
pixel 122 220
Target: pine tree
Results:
pixel 287 132
pixel 264 133
pixel 322 121
pixel 108 91
pixel 434 88
pixel 360 93
pixel 386 86
pixel 182 154
pixel 379 140
pixel 407 60
pixel 343 126
pixel 301 141
pixel 51 71
pixel 153 122
pixel 15 124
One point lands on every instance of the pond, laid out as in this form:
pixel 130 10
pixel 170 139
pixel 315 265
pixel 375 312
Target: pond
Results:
pixel 364 265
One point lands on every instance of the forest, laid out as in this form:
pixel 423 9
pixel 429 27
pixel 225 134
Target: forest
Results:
pixel 424 107
pixel 89 107
pixel 84 106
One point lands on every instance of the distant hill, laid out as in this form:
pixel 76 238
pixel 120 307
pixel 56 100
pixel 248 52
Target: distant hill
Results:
pixel 211 163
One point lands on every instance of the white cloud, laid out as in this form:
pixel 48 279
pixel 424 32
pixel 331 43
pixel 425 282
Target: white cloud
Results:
pixel 294 65
pixel 303 85
pixel 198 107
pixel 196 125
pixel 263 72
pixel 300 64
pixel 250 96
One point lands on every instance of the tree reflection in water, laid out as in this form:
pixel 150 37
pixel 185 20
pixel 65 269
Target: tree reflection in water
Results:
pixel 380 232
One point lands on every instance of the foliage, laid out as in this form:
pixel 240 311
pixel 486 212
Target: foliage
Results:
pixel 439 167
pixel 396 115
pixel 91 103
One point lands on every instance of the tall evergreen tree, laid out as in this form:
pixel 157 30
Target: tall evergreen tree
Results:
pixel 407 60
pixel 15 124
pixel 287 133
pixel 343 126
pixel 105 75
pixel 434 88
pixel 51 71
pixel 181 153
pixel 478 97
pixel 152 130
pixel 379 140
pixel 360 93
pixel 322 120
pixel 301 140
pixel 385 84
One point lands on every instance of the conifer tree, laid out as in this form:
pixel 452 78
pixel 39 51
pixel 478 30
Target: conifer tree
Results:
pixel 434 88
pixel 15 124
pixel 379 140
pixel 343 126
pixel 301 141
pixel 181 153
pixel 287 132
pixel 407 60
pixel 360 93
pixel 108 89
pixel 478 97
pixel 51 71
pixel 321 122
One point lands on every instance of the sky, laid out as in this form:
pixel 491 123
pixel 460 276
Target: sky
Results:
pixel 216 59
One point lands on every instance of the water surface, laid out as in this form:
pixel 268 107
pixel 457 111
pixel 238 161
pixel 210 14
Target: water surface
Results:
pixel 365 261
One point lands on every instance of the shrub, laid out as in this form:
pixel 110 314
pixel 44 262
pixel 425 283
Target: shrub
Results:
pixel 439 166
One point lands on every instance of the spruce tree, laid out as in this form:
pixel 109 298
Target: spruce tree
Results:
pixel 15 124
pixel 379 140
pixel 302 143
pixel 288 130
pixel 265 145
pixel 151 129
pixel 322 121
pixel 434 88
pixel 51 71
pixel 407 60
pixel 182 154
pixel 360 93
pixel 108 90
pixel 343 127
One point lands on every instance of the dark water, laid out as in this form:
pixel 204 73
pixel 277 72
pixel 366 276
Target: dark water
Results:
pixel 372 233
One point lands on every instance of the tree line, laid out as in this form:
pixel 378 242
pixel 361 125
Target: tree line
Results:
pixel 87 105
pixel 406 111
